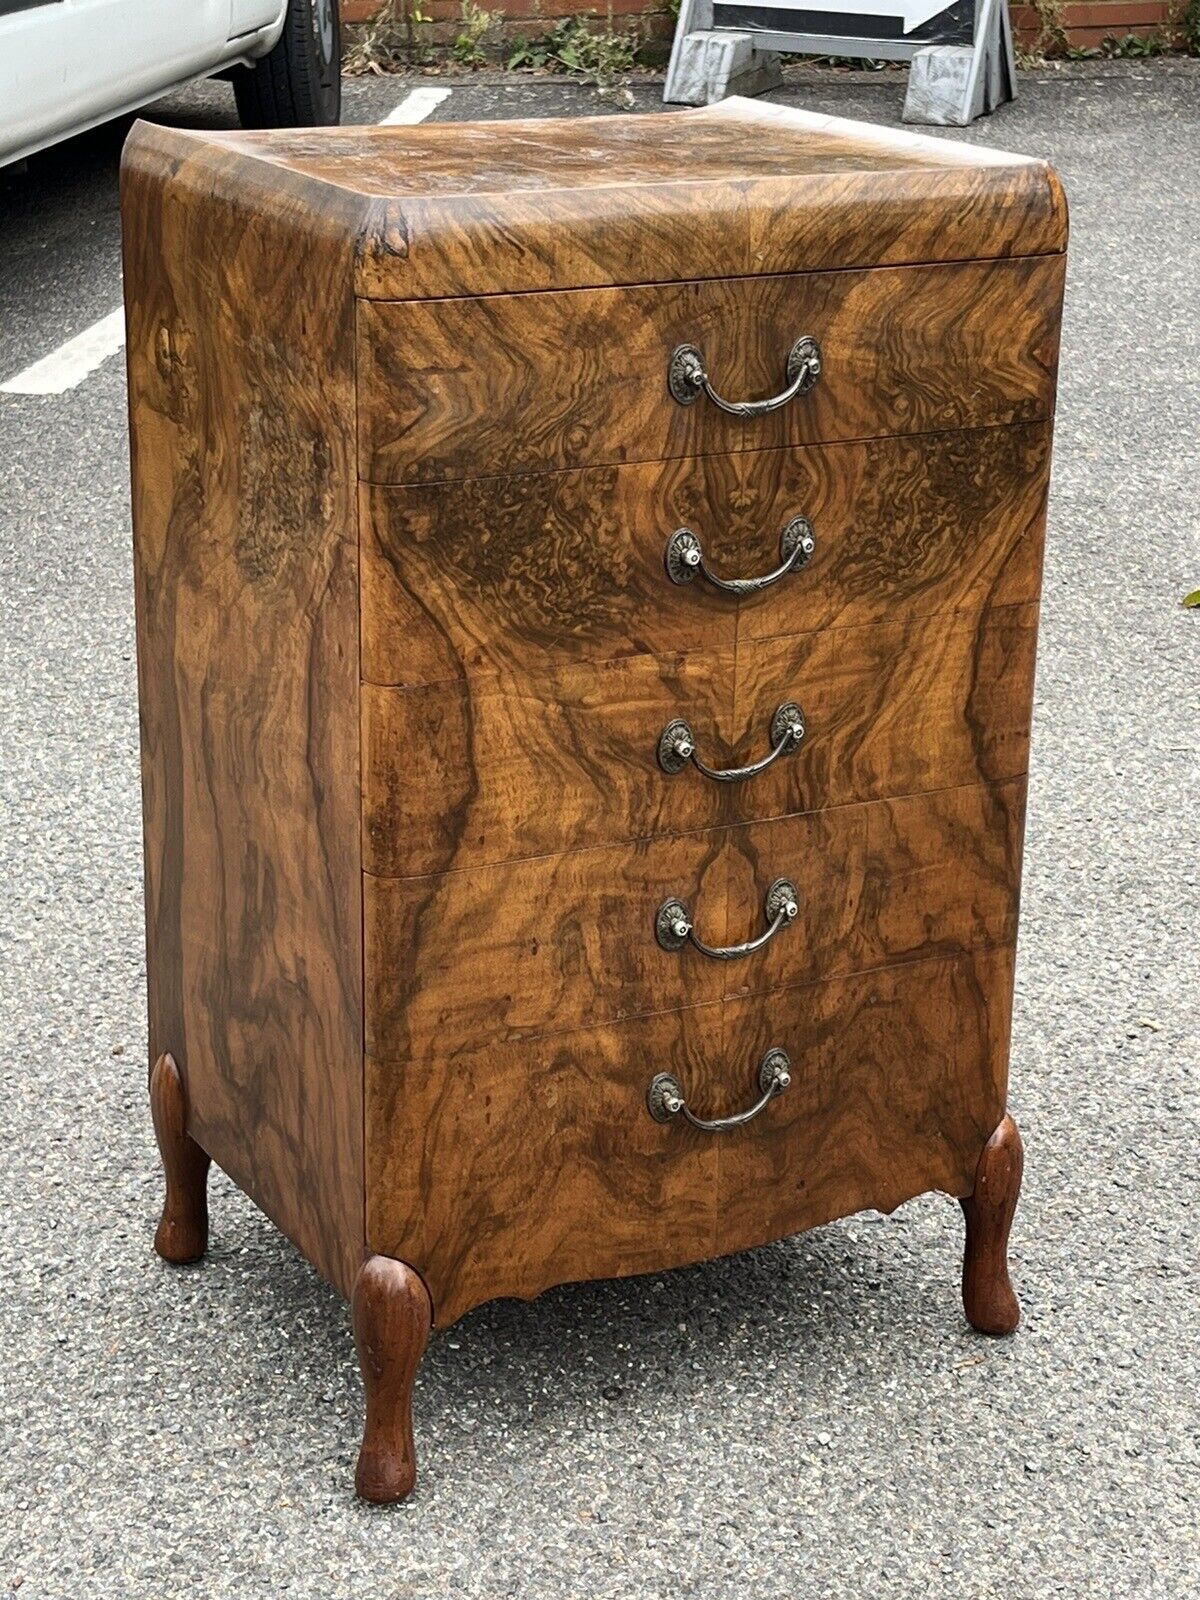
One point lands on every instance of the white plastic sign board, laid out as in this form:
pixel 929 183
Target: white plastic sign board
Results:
pixel 962 51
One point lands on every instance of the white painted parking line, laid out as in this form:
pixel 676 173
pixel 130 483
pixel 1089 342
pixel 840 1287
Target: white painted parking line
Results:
pixel 417 105
pixel 70 364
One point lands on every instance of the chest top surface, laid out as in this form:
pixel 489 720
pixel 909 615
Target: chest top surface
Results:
pixel 740 188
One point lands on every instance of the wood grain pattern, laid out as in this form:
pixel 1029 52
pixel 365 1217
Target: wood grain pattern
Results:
pixel 514 1166
pixel 526 573
pixel 531 947
pixel 504 1169
pixel 740 187
pixel 392 1316
pixel 894 880
pixel 240 359
pixel 539 946
pixel 891 709
pixel 455 775
pixel 514 765
pixel 897 1078
pixel 989 1299
pixel 905 350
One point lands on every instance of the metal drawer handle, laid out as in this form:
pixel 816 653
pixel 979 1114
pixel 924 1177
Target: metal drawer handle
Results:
pixel 687 379
pixel 665 1098
pixel 673 924
pixel 685 559
pixel 677 746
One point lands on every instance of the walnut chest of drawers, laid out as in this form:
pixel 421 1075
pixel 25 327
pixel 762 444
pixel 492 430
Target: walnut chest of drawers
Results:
pixel 587 585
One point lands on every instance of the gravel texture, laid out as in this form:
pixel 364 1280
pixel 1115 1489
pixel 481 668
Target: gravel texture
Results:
pixel 810 1419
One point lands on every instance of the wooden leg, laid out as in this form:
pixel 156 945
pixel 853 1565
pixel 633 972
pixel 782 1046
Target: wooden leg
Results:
pixel 392 1317
pixel 183 1231
pixel 988 1296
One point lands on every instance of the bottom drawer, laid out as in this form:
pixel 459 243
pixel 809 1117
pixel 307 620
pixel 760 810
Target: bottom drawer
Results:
pixel 501 1171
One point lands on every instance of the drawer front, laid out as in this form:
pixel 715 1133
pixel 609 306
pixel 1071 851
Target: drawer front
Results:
pixel 537 382
pixel 554 943
pixel 527 573
pixel 503 766
pixel 502 1170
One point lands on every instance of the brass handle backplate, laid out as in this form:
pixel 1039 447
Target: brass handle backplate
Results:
pixel 665 1097
pixel 684 557
pixel 673 926
pixel 687 379
pixel 677 746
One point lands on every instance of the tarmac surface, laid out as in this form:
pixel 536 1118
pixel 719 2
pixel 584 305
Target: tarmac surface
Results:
pixel 813 1418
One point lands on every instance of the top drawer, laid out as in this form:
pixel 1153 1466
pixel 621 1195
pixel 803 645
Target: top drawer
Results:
pixel 537 382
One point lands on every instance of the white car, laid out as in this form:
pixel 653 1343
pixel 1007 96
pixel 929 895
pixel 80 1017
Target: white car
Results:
pixel 66 65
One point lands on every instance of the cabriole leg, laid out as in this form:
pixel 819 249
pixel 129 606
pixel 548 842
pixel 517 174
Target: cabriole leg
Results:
pixel 392 1317
pixel 988 1296
pixel 183 1230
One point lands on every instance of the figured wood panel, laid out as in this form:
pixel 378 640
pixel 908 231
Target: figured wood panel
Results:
pixel 480 208
pixel 898 1079
pixel 240 355
pixel 559 942
pixel 527 572
pixel 456 775
pixel 661 231
pixel 502 766
pixel 531 947
pixel 893 880
pixel 890 709
pixel 531 383
pixel 904 527
pixel 502 1170
pixel 505 1169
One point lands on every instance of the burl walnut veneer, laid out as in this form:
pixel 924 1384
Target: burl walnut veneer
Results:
pixel 583 812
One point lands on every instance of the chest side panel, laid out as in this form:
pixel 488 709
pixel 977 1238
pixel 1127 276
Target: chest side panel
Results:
pixel 242 404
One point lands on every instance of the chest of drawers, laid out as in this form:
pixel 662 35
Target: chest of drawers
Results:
pixel 583 810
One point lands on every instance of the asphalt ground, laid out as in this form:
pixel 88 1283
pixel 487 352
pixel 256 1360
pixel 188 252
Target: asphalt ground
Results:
pixel 813 1418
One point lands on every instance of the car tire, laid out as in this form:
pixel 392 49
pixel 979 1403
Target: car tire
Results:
pixel 298 83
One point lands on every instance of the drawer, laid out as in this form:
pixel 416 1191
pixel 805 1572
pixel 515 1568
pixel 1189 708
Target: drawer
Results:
pixel 456 775
pixel 462 388
pixel 560 942
pixel 508 1168
pixel 523 573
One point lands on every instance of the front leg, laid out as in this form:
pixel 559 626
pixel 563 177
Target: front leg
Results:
pixel 183 1229
pixel 392 1315
pixel 988 1296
